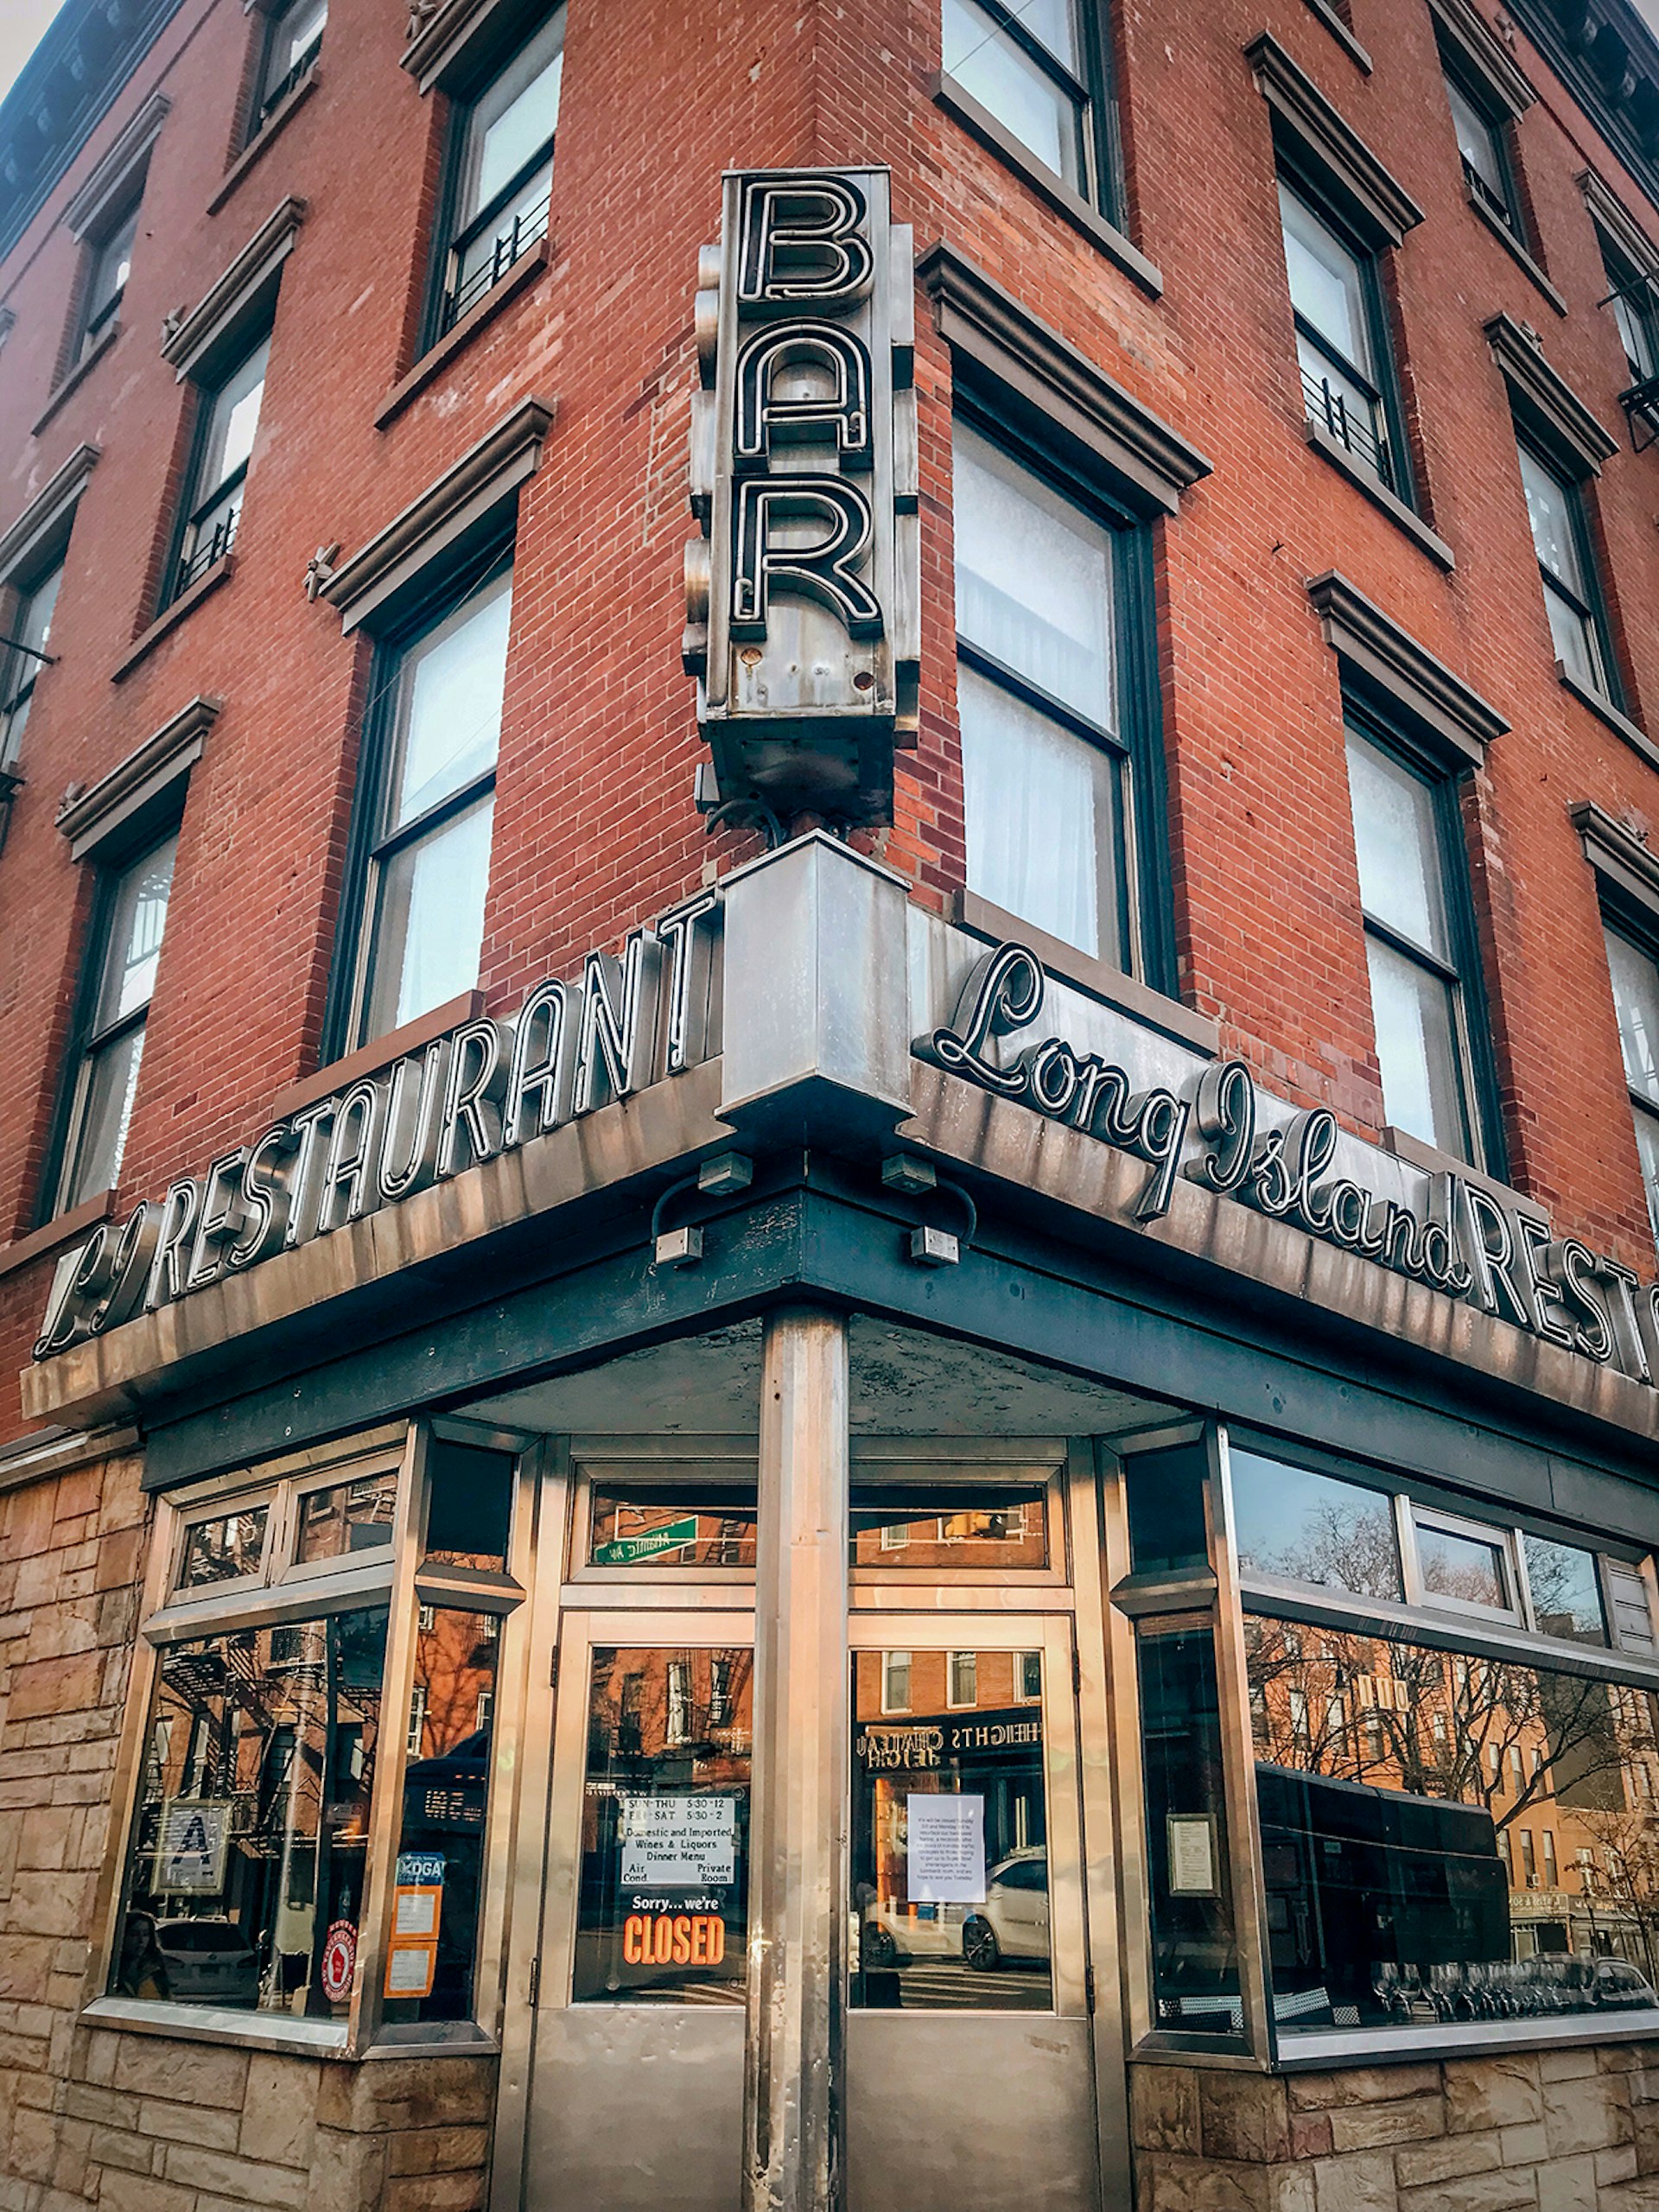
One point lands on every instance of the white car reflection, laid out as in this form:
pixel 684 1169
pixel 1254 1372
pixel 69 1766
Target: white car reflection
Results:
pixel 208 1962
pixel 1012 1922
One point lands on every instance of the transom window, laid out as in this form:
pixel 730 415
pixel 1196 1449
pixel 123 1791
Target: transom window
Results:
pixel 1045 770
pixel 1566 564
pixel 126 947
pixel 503 176
pixel 431 813
pixel 1635 976
pixel 225 435
pixel 1406 844
pixel 1341 338
pixel 1039 73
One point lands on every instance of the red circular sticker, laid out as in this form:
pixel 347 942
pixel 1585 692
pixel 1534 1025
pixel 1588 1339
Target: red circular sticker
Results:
pixel 339 1960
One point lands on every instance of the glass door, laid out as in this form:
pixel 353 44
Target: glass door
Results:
pixel 637 2074
pixel 969 2056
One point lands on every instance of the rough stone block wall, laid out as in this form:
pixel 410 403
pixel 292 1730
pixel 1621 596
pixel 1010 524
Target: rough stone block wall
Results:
pixel 1551 2131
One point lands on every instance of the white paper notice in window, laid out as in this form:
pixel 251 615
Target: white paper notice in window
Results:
pixel 678 1842
pixel 1191 1855
pixel 947 1849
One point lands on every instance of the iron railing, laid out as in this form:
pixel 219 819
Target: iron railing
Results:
pixel 1481 192
pixel 200 555
pixel 527 229
pixel 280 91
pixel 1331 411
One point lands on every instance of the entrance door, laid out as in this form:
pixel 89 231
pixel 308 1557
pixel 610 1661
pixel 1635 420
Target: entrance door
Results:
pixel 970 2076
pixel 637 2089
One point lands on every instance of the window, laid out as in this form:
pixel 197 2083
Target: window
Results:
pixel 108 265
pixel 1039 73
pixel 1634 308
pixel 1551 1877
pixel 1304 1527
pixel 293 39
pixel 1482 144
pixel 417 1719
pixel 1342 346
pixel 895 1682
pixel 503 174
pixel 228 425
pixel 1045 772
pixel 29 628
pixel 1415 896
pixel 1567 565
pixel 127 942
pixel 430 810
pixel 1636 1000
pixel 1027 1677
pixel 963 1679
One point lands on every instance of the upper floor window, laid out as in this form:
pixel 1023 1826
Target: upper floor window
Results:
pixel 110 263
pixel 1414 892
pixel 1039 71
pixel 503 173
pixel 1634 309
pixel 128 926
pixel 228 424
pixel 1342 342
pixel 24 658
pixel 1044 768
pixel 1482 145
pixel 429 810
pixel 1567 565
pixel 1636 998
pixel 293 39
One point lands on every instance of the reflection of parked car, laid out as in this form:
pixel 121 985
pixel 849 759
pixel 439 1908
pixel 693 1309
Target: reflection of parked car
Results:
pixel 209 1962
pixel 1620 1986
pixel 1012 1922
pixel 893 1934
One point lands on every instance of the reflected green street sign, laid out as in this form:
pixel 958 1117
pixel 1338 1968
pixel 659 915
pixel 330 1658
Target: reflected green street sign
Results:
pixel 627 1550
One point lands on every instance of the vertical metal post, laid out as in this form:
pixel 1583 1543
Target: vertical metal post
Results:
pixel 793 2120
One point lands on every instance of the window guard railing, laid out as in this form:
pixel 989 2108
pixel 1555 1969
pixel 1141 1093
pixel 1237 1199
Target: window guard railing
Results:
pixel 527 229
pixel 280 91
pixel 201 555
pixel 1331 411
pixel 1481 192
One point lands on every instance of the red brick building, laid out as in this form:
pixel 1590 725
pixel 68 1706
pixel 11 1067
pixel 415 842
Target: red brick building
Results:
pixel 980 1340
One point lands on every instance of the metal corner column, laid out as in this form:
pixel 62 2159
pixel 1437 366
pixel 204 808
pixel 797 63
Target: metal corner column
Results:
pixel 794 2122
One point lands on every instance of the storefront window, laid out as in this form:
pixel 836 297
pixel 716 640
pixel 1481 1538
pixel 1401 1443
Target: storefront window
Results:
pixel 1412 1802
pixel 654 1525
pixel 1309 1528
pixel 434 1939
pixel 1566 1590
pixel 225 1549
pixel 1194 1945
pixel 949 1841
pixel 250 1842
pixel 933 1527
pixel 470 1505
pixel 663 1907
pixel 349 1516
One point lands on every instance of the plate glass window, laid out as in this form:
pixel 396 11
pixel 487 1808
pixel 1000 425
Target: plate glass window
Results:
pixel 1636 998
pixel 292 41
pixel 106 280
pixel 430 864
pixel 1556 511
pixel 1336 300
pixel 224 452
pixel 30 627
pixel 1033 69
pixel 504 169
pixel 1401 841
pixel 127 951
pixel 1043 770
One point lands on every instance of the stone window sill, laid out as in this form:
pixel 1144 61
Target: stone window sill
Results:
pixel 964 109
pixel 1506 237
pixel 522 272
pixel 76 378
pixel 1634 736
pixel 1325 13
pixel 53 1234
pixel 1376 491
pixel 295 97
pixel 378 1054
pixel 186 603
pixel 1125 993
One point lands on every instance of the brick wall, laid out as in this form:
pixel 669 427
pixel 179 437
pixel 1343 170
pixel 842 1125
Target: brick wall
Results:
pixel 1560 2131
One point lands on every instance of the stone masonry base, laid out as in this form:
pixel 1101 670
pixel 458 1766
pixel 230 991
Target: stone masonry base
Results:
pixel 1560 2131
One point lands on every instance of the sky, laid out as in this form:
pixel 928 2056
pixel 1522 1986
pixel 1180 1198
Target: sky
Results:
pixel 22 23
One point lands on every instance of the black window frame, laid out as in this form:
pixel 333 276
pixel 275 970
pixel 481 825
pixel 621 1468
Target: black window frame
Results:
pixel 1507 205
pixel 1146 885
pixel 1634 289
pixel 1594 609
pixel 1093 97
pixel 1396 473
pixel 448 302
pixel 1447 779
pixel 268 96
pixel 1624 918
pixel 22 666
pixel 369 843
pixel 186 564
pixel 151 827
pixel 94 324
